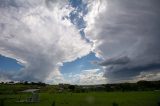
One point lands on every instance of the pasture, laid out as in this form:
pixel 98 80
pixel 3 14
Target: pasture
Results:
pixel 136 98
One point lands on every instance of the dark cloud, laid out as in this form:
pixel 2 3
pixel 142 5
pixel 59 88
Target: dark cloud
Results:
pixel 120 73
pixel 115 61
pixel 130 29
pixel 6 3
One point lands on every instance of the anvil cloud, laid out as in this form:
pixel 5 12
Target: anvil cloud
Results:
pixel 37 34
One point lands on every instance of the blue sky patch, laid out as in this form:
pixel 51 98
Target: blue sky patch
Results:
pixel 9 64
pixel 80 64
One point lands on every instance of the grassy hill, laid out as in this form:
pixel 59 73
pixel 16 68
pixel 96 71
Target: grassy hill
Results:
pixel 125 94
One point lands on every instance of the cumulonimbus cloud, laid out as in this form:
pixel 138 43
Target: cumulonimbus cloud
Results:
pixel 37 34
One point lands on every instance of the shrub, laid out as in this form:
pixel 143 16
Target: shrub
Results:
pixel 53 104
pixel 114 104
pixel 159 103
pixel 1 102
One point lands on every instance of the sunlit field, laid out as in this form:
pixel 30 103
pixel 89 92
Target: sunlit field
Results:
pixel 148 98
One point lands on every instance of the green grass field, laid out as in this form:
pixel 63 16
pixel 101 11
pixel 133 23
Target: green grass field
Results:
pixel 148 98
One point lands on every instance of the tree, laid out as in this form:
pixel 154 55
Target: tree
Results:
pixel 71 87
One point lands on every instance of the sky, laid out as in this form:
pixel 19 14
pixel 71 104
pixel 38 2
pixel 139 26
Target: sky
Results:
pixel 79 41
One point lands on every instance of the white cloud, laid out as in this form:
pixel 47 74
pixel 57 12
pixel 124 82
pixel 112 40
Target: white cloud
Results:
pixel 87 77
pixel 151 76
pixel 35 34
pixel 4 77
pixel 95 9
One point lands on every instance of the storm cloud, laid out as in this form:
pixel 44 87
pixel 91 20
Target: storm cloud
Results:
pixel 116 61
pixel 126 28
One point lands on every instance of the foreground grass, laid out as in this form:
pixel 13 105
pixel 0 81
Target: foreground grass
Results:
pixel 149 98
